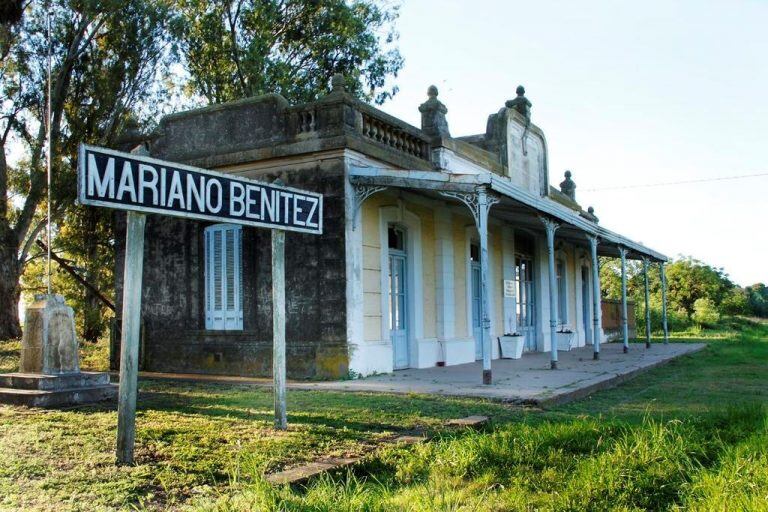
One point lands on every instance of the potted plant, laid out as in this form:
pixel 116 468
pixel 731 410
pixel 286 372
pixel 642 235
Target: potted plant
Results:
pixel 564 338
pixel 511 345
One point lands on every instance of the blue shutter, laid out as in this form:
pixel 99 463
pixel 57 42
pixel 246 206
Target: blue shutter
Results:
pixel 223 268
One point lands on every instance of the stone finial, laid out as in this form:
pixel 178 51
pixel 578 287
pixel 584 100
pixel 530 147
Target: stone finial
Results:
pixel 568 187
pixel 521 103
pixel 591 214
pixel 338 83
pixel 433 112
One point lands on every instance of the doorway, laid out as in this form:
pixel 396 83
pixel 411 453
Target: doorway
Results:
pixel 525 290
pixel 526 324
pixel 585 305
pixel 398 298
pixel 476 298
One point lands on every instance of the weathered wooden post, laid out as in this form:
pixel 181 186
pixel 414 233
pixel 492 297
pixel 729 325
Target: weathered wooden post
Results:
pixel 278 327
pixel 647 305
pixel 551 226
pixel 595 297
pixel 130 333
pixel 664 302
pixel 624 319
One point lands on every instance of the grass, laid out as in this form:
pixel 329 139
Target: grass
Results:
pixel 692 435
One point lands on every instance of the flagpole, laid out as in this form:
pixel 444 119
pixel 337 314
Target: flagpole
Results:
pixel 48 155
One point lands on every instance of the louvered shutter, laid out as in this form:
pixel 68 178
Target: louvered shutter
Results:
pixel 223 266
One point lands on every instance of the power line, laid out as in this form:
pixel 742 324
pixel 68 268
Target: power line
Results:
pixel 681 182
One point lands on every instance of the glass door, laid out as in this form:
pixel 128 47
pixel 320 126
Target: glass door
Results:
pixel 525 300
pixel 477 325
pixel 585 305
pixel 398 299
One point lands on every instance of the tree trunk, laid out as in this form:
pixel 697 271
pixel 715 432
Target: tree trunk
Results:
pixel 92 308
pixel 9 289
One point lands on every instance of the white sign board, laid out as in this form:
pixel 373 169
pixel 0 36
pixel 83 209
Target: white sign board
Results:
pixel 509 288
pixel 139 183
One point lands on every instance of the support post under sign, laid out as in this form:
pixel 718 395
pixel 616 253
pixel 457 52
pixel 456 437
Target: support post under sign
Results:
pixel 140 185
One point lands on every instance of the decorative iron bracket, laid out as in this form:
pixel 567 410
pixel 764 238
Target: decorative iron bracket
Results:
pixel 473 201
pixel 549 224
pixel 361 193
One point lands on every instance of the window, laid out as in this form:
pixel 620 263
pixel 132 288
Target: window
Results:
pixel 397 279
pixel 562 294
pixel 474 252
pixel 223 277
pixel 396 238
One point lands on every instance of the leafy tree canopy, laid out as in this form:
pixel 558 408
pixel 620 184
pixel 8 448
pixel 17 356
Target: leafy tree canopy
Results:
pixel 239 48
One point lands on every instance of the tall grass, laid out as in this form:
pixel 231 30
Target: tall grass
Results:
pixel 583 464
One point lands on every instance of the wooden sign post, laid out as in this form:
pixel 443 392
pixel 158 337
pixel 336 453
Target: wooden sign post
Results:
pixel 129 336
pixel 141 185
pixel 278 327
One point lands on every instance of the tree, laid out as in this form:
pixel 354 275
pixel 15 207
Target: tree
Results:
pixel 690 279
pixel 757 296
pixel 736 302
pixel 234 49
pixel 704 312
pixel 105 64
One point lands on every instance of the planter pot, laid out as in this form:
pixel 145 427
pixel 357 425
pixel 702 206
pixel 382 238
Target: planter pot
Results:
pixel 511 346
pixel 564 340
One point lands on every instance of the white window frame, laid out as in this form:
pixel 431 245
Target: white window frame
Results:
pixel 225 318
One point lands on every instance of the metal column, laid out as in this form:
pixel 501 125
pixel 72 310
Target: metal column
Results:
pixel 664 302
pixel 595 297
pixel 482 228
pixel 624 320
pixel 551 227
pixel 479 203
pixel 647 305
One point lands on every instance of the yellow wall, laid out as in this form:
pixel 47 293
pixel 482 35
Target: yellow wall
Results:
pixel 372 268
pixel 427 217
pixel 497 287
pixel 460 224
pixel 372 264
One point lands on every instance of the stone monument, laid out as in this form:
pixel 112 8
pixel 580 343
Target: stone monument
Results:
pixel 49 373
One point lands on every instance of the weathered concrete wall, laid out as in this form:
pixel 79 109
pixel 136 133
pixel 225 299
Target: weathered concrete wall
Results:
pixel 173 309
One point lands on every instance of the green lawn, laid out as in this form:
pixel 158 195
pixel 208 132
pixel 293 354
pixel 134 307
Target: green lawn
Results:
pixel 690 435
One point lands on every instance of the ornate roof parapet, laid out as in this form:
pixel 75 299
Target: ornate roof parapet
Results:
pixel 496 127
pixel 433 121
pixel 568 186
pixel 268 126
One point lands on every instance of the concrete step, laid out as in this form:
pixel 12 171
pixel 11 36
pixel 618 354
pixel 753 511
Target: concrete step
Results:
pixel 41 382
pixel 57 398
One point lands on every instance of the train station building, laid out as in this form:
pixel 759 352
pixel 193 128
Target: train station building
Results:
pixel 436 250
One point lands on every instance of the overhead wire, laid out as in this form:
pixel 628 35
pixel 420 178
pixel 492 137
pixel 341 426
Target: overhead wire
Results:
pixel 673 183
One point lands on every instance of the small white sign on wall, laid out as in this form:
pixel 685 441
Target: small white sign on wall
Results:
pixel 509 288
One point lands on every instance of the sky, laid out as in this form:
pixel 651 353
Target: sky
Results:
pixel 628 94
